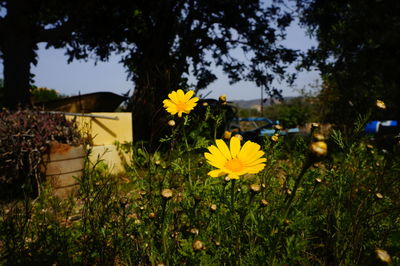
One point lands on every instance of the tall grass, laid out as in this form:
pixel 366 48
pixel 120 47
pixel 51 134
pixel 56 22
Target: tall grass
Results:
pixel 302 209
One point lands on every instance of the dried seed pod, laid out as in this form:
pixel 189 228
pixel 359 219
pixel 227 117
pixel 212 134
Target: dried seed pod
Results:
pixel 264 202
pixel 198 245
pixel 380 104
pixel 383 255
pixel 194 231
pixel 166 193
pixel 255 188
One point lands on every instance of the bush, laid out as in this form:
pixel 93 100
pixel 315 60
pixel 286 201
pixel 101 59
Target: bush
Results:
pixel 25 136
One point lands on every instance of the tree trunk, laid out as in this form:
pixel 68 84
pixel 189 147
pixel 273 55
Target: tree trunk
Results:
pixel 18 53
pixel 149 117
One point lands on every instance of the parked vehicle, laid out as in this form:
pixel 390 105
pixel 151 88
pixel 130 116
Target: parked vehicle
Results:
pixel 260 127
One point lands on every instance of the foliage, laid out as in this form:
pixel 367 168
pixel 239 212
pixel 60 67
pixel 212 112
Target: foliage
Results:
pixel 25 136
pixel 24 24
pixel 356 54
pixel 301 209
pixel 40 94
pixel 293 113
pixel 161 43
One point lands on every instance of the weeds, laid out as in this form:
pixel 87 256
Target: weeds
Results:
pixel 302 209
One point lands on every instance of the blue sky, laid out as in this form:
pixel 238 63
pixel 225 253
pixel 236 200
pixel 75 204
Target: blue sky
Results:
pixel 82 77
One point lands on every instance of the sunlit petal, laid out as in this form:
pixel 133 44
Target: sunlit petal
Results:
pixel 235 147
pixel 223 148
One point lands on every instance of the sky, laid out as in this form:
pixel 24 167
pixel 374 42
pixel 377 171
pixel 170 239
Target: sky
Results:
pixel 80 77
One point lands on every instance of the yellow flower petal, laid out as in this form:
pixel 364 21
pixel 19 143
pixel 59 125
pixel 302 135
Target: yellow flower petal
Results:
pixel 181 94
pixel 235 147
pixel 214 160
pixel 174 97
pixel 188 95
pixel 223 148
pixel 215 173
pixel 256 162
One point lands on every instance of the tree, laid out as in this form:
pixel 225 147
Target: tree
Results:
pixel 23 25
pixel 161 43
pixel 357 54
pixel 166 41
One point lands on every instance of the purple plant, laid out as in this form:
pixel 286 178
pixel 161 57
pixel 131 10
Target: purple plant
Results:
pixel 25 136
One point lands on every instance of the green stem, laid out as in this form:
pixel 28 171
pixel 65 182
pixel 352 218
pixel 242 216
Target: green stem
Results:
pixel 163 230
pixel 289 200
pixel 188 156
pixel 233 196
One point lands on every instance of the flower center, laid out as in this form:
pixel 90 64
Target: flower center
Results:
pixel 181 106
pixel 235 165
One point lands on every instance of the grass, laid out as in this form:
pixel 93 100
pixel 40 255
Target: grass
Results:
pixel 340 209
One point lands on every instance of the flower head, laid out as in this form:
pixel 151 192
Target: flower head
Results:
pixel 319 148
pixel 235 160
pixel 227 134
pixel 222 99
pixel 380 104
pixel 179 102
pixel 275 138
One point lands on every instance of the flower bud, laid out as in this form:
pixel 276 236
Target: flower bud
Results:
pixel 227 134
pixel 380 104
pixel 222 99
pixel 239 137
pixel 318 137
pixel 319 148
pixel 275 138
pixel 171 123
pixel 264 202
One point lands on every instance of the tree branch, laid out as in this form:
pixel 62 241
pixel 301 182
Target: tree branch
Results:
pixel 57 34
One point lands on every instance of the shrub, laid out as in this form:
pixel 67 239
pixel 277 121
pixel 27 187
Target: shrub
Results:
pixel 25 135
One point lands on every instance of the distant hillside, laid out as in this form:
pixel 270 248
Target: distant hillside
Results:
pixel 248 104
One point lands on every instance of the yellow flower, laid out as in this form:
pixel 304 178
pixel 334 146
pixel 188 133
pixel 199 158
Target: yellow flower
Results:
pixel 275 138
pixel 235 160
pixel 179 102
pixel 222 99
pixel 380 104
pixel 227 134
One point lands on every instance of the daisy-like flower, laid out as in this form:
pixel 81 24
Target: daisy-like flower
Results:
pixel 235 160
pixel 180 102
